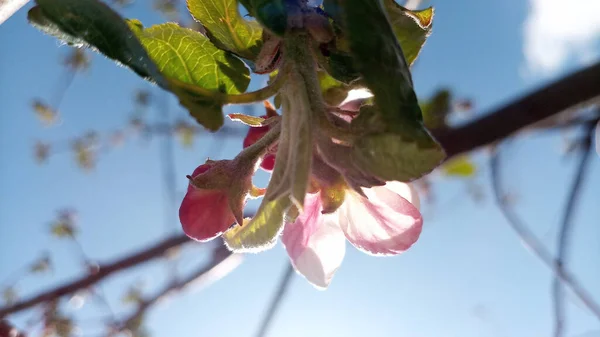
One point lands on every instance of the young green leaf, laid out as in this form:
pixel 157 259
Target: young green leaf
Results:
pixel 460 166
pixel 190 58
pixel 226 28
pixel 166 54
pixel 411 27
pixel 392 157
pixel 404 150
pixel 261 232
pixel 91 23
pixel 272 14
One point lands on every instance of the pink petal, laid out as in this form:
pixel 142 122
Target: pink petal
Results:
pixel 384 224
pixel 406 191
pixel 315 243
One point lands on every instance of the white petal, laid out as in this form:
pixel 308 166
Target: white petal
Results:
pixel 323 255
pixel 384 224
pixel 315 243
pixel 406 191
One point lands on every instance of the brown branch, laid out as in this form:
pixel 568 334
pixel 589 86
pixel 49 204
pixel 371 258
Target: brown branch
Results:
pixel 566 228
pixel 534 244
pixel 550 100
pixel 222 263
pixel 104 270
pixel 276 300
pixel 7 330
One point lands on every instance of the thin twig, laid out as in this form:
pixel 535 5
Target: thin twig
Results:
pixel 276 300
pixel 223 263
pixel 534 244
pixel 104 270
pixel 566 229
pixel 7 330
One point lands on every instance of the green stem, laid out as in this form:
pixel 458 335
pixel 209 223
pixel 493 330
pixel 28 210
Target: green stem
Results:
pixel 245 98
pixel 258 149
pixel 299 54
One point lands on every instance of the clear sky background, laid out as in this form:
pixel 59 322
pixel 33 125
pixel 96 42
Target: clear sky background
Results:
pixel 467 276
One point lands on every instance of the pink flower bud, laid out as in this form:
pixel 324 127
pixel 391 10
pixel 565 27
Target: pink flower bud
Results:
pixel 205 213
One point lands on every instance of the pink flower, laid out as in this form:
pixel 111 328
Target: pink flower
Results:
pixel 388 222
pixel 205 213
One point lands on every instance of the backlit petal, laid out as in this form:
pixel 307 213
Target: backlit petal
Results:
pixel 384 224
pixel 315 243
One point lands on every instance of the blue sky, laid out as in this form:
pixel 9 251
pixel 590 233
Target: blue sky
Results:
pixel 468 275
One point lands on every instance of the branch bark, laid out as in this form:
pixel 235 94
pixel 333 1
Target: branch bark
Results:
pixel 570 91
pixel 104 270
pixel 550 100
pixel 222 263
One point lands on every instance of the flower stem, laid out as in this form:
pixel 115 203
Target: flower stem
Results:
pixel 254 151
pixel 298 52
pixel 245 98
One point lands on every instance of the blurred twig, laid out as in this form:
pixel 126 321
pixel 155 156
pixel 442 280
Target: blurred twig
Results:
pixel 533 243
pixel 566 228
pixel 276 300
pixel 7 330
pixel 222 263
pixel 104 270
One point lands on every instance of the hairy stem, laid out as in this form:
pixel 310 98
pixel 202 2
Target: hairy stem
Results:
pixel 245 98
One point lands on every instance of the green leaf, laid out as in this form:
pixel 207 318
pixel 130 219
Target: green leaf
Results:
pixel 403 150
pixel 272 14
pixel 437 109
pixel 378 57
pixel 91 23
pixel 391 156
pixel 177 59
pixel 133 296
pixel 63 230
pixel 460 166
pixel 334 91
pixel 261 232
pixel 190 58
pixel 411 28
pixel 226 28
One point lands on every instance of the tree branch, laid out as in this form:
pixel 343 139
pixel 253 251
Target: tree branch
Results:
pixel 534 244
pixel 223 263
pixel 104 270
pixel 566 228
pixel 276 300
pixel 574 89
pixel 550 100
pixel 7 330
